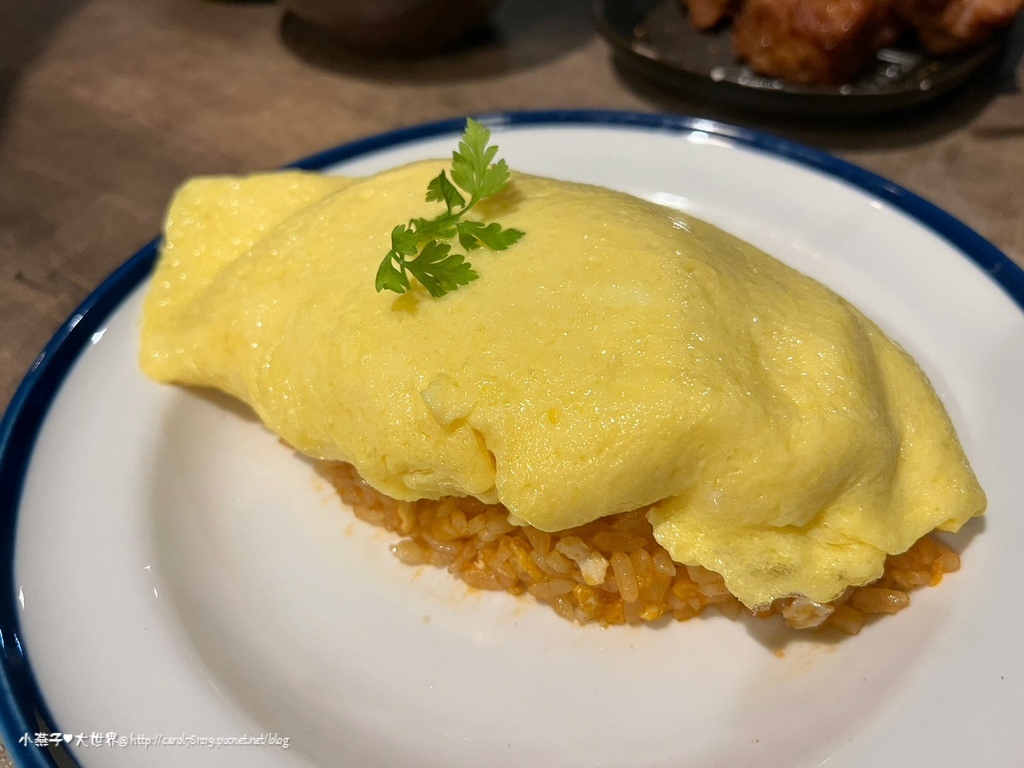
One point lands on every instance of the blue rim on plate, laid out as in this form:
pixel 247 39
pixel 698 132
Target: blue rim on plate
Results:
pixel 23 709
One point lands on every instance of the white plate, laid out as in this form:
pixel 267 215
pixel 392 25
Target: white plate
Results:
pixel 180 574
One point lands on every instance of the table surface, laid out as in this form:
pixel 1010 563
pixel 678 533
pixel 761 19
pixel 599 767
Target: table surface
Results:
pixel 107 105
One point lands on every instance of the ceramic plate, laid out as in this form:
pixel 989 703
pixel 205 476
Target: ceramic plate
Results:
pixel 655 39
pixel 183 590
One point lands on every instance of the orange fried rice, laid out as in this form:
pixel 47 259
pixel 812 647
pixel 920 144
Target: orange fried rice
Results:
pixel 612 570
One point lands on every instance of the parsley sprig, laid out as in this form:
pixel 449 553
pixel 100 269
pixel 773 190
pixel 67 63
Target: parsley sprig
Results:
pixel 417 248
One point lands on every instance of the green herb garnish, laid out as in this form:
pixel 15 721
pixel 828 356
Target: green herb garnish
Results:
pixel 475 175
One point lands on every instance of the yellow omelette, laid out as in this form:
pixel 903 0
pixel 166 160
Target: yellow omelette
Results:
pixel 621 354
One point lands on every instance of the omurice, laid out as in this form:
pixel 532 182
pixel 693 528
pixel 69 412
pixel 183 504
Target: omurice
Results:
pixel 629 414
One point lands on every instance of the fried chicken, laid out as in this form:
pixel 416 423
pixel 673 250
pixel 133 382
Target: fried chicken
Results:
pixel 708 14
pixel 813 41
pixel 832 41
pixel 947 26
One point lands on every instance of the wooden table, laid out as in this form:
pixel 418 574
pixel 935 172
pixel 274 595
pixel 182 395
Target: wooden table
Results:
pixel 107 105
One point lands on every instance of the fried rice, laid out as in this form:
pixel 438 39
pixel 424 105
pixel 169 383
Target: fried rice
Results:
pixel 611 571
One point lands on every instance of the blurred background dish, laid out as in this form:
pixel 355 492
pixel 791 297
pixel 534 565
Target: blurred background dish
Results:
pixel 409 28
pixel 655 39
